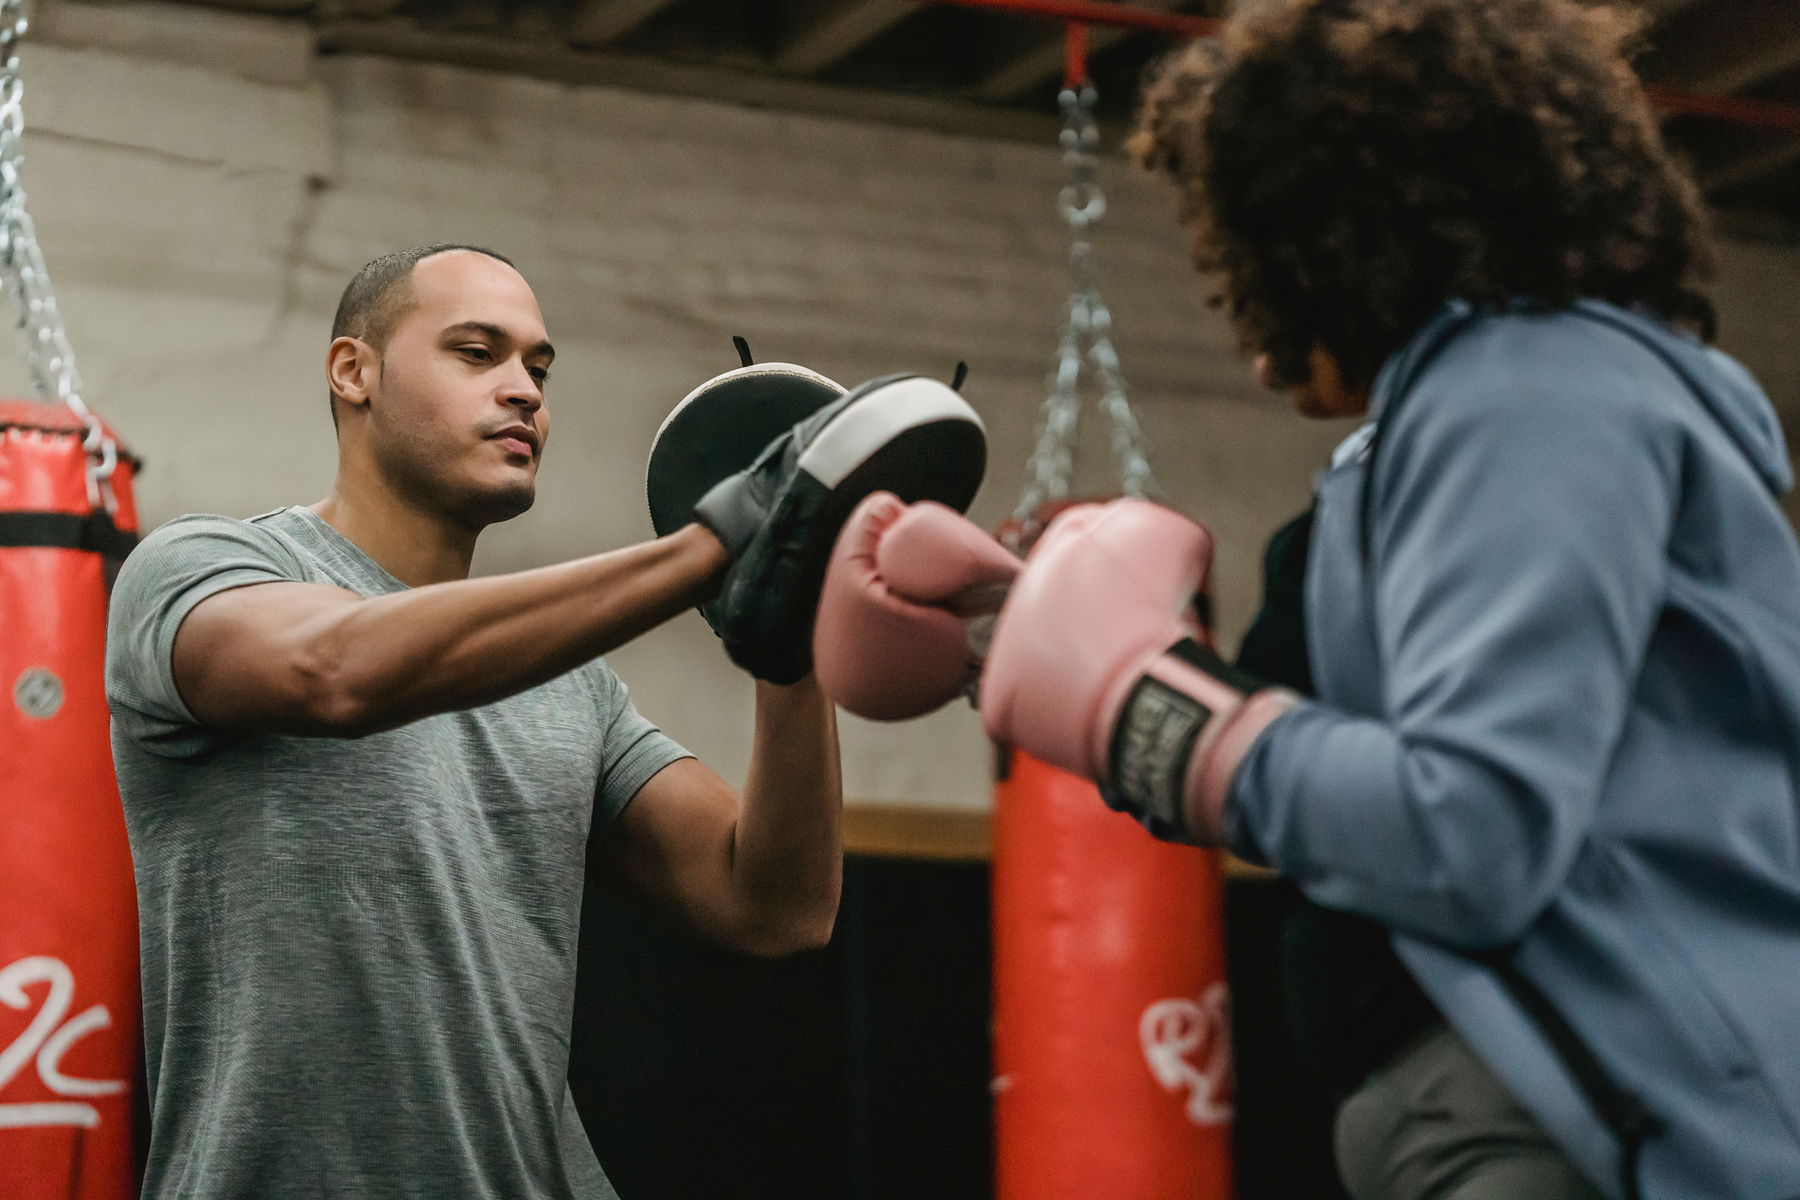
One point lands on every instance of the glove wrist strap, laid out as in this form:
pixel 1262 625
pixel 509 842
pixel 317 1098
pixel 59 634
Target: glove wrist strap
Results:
pixel 1224 742
pixel 1182 730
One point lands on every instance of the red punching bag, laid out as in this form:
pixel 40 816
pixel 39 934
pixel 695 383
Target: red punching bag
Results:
pixel 1112 1035
pixel 1112 1055
pixel 1112 1046
pixel 69 1003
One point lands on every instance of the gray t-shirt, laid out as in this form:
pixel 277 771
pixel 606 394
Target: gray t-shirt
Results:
pixel 358 956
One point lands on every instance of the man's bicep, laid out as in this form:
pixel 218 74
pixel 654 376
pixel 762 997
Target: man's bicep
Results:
pixel 243 661
pixel 173 571
pixel 672 845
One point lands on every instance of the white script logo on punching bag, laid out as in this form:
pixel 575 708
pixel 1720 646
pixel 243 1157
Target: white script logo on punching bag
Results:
pixel 1171 1030
pixel 47 1038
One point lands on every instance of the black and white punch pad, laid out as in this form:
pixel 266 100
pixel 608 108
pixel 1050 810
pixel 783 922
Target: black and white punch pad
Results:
pixel 905 434
pixel 720 427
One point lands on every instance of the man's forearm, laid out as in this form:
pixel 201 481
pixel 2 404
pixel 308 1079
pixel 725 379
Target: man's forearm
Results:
pixel 350 666
pixel 788 854
pixel 458 645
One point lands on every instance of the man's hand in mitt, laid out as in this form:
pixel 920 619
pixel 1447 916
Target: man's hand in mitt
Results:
pixel 779 517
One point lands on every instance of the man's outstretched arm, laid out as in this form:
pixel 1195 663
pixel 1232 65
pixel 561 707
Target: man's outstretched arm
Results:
pixel 308 659
pixel 760 871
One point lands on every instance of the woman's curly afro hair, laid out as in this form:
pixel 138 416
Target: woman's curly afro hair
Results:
pixel 1347 166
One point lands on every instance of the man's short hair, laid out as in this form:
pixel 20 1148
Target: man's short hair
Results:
pixel 381 293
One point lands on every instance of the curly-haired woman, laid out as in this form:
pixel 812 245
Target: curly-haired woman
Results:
pixel 1551 609
pixel 1546 606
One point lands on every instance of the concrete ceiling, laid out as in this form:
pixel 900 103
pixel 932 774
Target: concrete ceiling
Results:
pixel 960 68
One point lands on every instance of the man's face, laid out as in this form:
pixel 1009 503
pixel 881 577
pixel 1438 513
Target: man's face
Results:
pixel 457 420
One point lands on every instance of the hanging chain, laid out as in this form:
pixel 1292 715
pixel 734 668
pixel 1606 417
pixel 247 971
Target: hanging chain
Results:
pixel 1086 336
pixel 42 341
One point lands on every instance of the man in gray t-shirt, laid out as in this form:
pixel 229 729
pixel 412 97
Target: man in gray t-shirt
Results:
pixel 364 792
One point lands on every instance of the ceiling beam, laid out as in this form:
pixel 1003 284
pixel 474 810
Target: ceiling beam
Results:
pixel 1662 9
pixel 1728 45
pixel 599 22
pixel 606 68
pixel 1751 166
pixel 837 31
pixel 1044 59
pixel 472 15
pixel 275 7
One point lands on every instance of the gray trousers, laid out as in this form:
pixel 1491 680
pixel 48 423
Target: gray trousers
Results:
pixel 1434 1123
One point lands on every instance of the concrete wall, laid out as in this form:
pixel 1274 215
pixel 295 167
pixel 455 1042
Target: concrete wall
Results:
pixel 204 187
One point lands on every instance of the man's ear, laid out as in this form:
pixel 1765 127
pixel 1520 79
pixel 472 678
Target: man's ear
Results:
pixel 352 368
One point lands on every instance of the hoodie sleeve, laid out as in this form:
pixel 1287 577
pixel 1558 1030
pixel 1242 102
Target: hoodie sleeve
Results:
pixel 1522 507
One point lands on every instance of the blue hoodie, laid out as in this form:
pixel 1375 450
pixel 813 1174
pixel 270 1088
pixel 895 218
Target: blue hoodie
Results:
pixel 1554 622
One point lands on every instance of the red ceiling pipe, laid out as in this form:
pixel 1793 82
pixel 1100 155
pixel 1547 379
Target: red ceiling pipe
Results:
pixel 1091 12
pixel 1761 114
pixel 1074 54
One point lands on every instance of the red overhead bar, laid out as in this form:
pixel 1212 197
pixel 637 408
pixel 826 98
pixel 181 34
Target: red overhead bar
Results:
pixel 1075 70
pixel 1092 12
pixel 1762 114
pixel 1075 14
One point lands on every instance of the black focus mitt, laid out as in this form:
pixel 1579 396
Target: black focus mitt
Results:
pixel 779 515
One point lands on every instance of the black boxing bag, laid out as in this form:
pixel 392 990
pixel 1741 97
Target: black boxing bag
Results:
pixel 70 1020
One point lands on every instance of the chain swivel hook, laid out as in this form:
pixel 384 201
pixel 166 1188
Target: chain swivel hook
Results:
pixel 1086 342
pixel 43 342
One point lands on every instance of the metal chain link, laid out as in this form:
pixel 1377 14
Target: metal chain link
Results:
pixel 1086 337
pixel 43 343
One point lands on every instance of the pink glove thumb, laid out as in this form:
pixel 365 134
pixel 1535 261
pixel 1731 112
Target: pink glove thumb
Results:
pixel 891 640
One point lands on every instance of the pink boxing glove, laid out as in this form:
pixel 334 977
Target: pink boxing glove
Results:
pixel 1097 667
pixel 908 597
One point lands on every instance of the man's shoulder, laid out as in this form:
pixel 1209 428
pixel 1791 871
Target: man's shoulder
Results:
pixel 208 539
pixel 177 567
pixel 192 525
pixel 192 528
